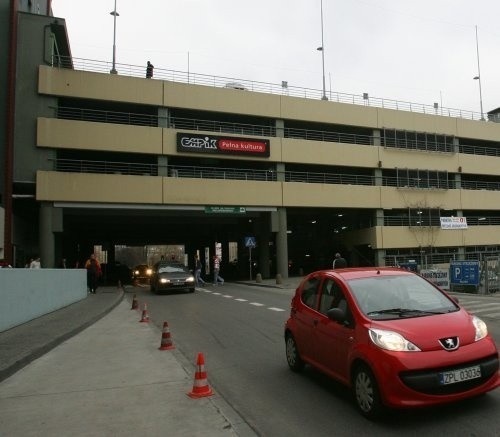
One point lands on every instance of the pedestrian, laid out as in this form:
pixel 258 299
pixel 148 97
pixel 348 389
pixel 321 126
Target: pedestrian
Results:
pixel 63 263
pixel 149 70
pixel 35 264
pixel 339 262
pixel 93 273
pixel 198 266
pixel 217 278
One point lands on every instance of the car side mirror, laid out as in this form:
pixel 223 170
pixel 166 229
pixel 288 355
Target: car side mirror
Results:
pixel 337 315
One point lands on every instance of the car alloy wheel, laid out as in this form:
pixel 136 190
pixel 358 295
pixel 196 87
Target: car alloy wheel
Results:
pixel 292 354
pixel 366 393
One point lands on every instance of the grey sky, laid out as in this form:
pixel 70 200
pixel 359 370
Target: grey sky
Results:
pixel 418 51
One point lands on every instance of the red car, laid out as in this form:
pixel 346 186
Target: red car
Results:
pixel 396 339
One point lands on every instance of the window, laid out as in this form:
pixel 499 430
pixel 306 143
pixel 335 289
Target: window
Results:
pixel 310 292
pixel 416 178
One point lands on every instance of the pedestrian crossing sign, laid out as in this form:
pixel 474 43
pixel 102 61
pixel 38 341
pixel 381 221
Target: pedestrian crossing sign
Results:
pixel 250 242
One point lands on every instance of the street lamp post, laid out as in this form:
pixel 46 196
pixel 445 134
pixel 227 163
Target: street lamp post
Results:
pixel 115 14
pixel 478 78
pixel 322 50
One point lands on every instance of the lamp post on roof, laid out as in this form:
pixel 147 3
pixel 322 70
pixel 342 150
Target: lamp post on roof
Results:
pixel 322 50
pixel 115 14
pixel 478 78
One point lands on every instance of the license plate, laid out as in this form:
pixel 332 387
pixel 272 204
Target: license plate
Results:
pixel 459 375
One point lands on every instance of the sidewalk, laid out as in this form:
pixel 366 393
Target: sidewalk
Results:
pixel 110 379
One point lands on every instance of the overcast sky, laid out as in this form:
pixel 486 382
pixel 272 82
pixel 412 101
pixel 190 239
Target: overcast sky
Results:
pixel 421 51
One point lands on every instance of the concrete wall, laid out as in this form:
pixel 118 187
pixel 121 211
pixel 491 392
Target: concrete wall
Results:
pixel 30 293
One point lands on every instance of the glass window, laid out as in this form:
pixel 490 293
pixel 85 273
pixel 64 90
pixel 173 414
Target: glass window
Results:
pixel 310 292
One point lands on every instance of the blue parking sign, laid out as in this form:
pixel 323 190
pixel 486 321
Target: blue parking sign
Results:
pixel 464 272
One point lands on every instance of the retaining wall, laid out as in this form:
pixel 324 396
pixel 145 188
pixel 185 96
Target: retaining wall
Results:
pixel 26 294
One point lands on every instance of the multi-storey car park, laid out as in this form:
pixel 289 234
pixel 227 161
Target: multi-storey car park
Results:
pixel 202 163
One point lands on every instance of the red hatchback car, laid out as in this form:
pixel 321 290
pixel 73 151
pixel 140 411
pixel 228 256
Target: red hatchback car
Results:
pixel 393 337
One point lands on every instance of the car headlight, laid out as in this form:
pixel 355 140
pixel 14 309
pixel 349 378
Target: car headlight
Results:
pixel 391 341
pixel 136 272
pixel 190 279
pixel 481 328
pixel 149 272
pixel 164 280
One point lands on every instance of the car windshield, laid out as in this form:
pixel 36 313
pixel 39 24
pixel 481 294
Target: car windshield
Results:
pixel 399 296
pixel 171 268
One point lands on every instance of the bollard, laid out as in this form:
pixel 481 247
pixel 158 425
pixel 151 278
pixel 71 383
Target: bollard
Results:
pixel 278 279
pixel 258 278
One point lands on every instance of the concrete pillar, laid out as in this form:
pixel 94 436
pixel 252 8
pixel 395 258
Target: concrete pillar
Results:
pixel 380 258
pixel 162 165
pixel 280 172
pixel 263 230
pixel 461 253
pixel 46 236
pixel 377 174
pixel 278 219
pixel 376 137
pixel 280 128
pixel 379 217
pixel 163 121
pixel 282 244
pixel 163 117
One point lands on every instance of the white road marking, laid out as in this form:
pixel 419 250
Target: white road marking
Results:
pixel 227 295
pixel 257 304
pixel 241 300
pixel 275 309
pixel 216 294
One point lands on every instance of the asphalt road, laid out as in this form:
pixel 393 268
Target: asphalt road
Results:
pixel 239 330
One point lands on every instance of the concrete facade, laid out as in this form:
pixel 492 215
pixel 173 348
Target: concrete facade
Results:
pixel 106 146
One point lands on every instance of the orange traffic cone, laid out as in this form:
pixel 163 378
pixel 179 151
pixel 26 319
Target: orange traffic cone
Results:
pixel 145 315
pixel 200 386
pixel 166 341
pixel 135 303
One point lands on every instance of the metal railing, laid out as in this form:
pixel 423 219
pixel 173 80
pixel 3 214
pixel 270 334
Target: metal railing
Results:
pixel 221 173
pixel 222 126
pixel 425 221
pixel 479 185
pixel 131 168
pixel 264 87
pixel 327 136
pixel 103 116
pixel 106 167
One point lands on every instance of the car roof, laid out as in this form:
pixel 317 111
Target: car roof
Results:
pixel 367 272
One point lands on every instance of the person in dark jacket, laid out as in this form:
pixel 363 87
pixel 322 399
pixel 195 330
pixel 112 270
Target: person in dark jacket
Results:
pixel 93 273
pixel 149 70
pixel 339 262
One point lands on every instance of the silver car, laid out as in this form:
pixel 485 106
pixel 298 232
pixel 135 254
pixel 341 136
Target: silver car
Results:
pixel 170 276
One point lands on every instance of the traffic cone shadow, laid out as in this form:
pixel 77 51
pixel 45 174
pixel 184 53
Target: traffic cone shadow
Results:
pixel 200 385
pixel 166 340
